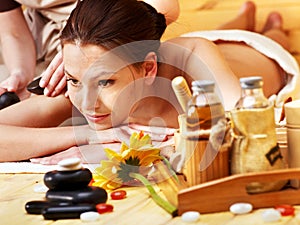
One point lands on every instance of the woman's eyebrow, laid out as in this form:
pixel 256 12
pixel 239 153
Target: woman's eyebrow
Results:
pixel 67 73
pixel 95 75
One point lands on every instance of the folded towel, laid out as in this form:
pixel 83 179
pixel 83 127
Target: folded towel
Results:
pixel 28 167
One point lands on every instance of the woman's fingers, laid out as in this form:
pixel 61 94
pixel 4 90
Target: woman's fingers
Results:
pixel 47 74
pixel 59 82
pixel 54 159
pixel 53 79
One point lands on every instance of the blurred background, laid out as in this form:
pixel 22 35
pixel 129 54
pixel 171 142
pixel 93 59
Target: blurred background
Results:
pixel 208 14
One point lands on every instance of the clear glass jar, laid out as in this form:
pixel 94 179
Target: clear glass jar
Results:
pixel 204 110
pixel 254 146
pixel 252 94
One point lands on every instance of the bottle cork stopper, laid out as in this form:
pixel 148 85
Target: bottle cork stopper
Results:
pixel 182 91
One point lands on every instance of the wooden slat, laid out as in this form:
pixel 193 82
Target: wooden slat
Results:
pixel 219 194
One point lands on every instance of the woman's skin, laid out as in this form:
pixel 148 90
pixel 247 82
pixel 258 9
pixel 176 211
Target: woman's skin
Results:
pixel 53 79
pixel 26 142
pixel 15 35
pixel 235 54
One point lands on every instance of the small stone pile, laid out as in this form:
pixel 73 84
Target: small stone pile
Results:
pixel 69 193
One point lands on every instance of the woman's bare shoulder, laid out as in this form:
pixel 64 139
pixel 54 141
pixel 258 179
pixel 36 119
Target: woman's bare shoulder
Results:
pixel 188 41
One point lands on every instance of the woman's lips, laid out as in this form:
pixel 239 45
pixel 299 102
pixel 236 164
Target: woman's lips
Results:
pixel 96 118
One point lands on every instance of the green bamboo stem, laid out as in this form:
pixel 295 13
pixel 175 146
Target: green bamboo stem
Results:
pixel 158 200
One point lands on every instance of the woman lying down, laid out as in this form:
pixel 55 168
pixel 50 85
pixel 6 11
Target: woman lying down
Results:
pixel 119 80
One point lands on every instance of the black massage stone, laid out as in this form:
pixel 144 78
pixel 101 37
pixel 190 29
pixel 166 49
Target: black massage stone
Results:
pixel 7 99
pixel 35 88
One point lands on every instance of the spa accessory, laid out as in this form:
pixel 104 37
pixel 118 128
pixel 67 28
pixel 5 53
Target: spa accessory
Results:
pixel 69 193
pixel 7 99
pixel 35 88
pixel 254 146
pixel 182 91
pixel 205 134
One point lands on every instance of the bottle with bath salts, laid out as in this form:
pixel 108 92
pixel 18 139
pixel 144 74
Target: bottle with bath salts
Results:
pixel 254 146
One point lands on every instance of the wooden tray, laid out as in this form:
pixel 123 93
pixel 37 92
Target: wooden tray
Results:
pixel 218 195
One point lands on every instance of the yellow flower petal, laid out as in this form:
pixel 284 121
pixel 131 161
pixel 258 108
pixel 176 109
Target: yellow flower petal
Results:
pixel 138 140
pixel 123 147
pixel 112 154
pixel 147 161
pixel 140 152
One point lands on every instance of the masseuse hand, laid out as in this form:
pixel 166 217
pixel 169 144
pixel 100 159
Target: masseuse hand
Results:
pixel 53 78
pixel 16 83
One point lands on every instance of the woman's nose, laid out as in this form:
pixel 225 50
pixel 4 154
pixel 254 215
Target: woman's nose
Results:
pixel 90 100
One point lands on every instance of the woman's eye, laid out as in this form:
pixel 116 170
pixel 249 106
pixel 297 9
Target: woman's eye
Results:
pixel 105 83
pixel 73 82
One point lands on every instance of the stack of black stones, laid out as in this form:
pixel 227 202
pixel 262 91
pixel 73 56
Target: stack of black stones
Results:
pixel 69 193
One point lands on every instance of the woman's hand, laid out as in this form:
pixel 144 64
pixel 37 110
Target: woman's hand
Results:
pixel 87 153
pixel 54 159
pixel 53 78
pixel 112 135
pixel 110 138
pixel 123 133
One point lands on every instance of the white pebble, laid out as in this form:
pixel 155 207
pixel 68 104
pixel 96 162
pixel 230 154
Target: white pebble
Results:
pixel 271 215
pixel 69 164
pixel 241 208
pixel 89 216
pixel 190 216
pixel 40 188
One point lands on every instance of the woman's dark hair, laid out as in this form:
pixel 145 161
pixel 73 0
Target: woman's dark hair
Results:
pixel 114 23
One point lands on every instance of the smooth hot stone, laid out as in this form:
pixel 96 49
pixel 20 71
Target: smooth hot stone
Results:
pixel 35 88
pixel 7 99
pixel 36 207
pixel 69 164
pixel 241 208
pixel 117 195
pixel 67 212
pixel 190 216
pixel 92 195
pixel 67 180
pixel 89 216
pixel 270 215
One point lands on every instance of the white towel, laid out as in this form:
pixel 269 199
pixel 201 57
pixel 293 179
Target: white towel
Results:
pixel 28 167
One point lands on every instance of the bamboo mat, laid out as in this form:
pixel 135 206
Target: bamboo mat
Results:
pixel 208 14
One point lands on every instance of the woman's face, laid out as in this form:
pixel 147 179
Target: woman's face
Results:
pixel 100 85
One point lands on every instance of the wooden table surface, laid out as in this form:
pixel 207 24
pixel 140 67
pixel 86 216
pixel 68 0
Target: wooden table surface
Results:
pixel 137 208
